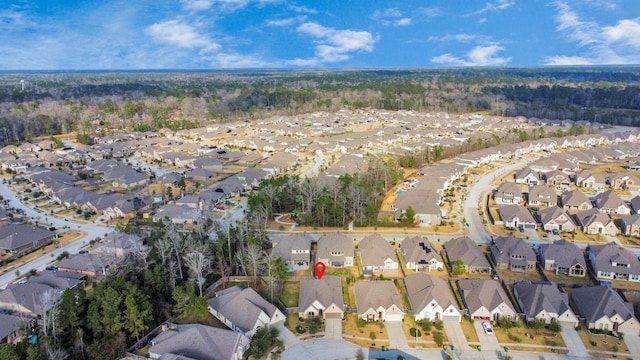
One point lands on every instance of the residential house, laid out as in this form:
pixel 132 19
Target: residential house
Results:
pixel 563 258
pixel 635 204
pixel 557 178
pixel 378 301
pixel 91 265
pixel 623 182
pixel 614 262
pixel 377 255
pixel 516 216
pixel 555 218
pixel 118 244
pixel 431 298
pixel 424 202
pixel 321 297
pixel 513 253
pixel 574 201
pixel 37 295
pixel 527 176
pixel 177 214
pixel 610 203
pixel 335 250
pixel 124 176
pixel 592 181
pixel 486 299
pixel 10 326
pixel 196 341
pixel 594 222
pixel 604 309
pixel 420 255
pixel 542 195
pixel 545 302
pixel 508 193
pixel 467 251
pixel 630 225
pixel 294 249
pixel 18 238
pixel 244 310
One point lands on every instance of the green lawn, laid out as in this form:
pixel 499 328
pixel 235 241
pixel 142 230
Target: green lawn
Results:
pixel 290 293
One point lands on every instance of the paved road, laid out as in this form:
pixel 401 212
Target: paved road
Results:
pixel 476 227
pixel 92 231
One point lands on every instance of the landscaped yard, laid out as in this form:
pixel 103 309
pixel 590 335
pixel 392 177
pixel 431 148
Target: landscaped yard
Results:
pixel 599 342
pixel 526 336
pixel 469 330
pixel 564 279
pixel 351 331
pixel 290 293
pixel 301 327
pixel 426 338
pixel 511 275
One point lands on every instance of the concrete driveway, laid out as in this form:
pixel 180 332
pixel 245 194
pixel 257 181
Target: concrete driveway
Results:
pixel 288 338
pixel 397 339
pixel 574 343
pixel 456 335
pixel 333 329
pixel 632 339
pixel 489 342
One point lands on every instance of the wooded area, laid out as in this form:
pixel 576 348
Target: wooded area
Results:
pixel 93 103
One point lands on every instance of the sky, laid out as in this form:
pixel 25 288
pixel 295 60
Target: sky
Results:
pixel 231 34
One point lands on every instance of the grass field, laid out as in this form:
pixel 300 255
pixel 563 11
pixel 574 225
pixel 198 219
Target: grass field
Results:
pixel 290 293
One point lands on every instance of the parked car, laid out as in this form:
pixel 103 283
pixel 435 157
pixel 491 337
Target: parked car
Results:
pixel 487 328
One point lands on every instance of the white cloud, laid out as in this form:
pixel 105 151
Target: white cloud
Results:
pixel 477 56
pixel 14 20
pixel 336 45
pixel 390 17
pixel 465 38
pixel 286 22
pixel 223 4
pixel 303 9
pixel 182 35
pixel 617 44
pixel 430 12
pixel 238 61
pixel 495 7
pixel 568 60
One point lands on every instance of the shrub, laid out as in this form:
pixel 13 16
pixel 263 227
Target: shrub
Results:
pixel 439 324
pixel 425 325
pixel 415 332
pixel 438 337
pixel 514 338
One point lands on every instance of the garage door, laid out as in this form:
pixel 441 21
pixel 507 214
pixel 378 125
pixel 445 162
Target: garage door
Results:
pixel 455 318
pixel 393 317
pixel 530 226
pixel 333 315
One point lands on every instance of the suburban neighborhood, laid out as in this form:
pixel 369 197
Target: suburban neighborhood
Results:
pixel 518 248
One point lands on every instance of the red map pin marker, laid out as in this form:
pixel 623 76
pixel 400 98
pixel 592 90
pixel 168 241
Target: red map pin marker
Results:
pixel 319 268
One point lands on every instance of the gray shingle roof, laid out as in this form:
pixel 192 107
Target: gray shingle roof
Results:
pixel 374 250
pixel 414 252
pixel 510 212
pixel 16 236
pixel 373 294
pixel 465 249
pixel 479 292
pixel 326 291
pixel 241 306
pixel 594 302
pixel 284 246
pixel 536 298
pixel 574 198
pixel 606 255
pixel 195 341
pixel 423 288
pixel 563 253
pixel 334 242
pixel 504 247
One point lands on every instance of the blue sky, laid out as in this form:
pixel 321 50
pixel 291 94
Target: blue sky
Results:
pixel 227 34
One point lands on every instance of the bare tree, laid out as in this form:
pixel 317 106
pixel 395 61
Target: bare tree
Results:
pixel 199 265
pixel 252 261
pixel 48 300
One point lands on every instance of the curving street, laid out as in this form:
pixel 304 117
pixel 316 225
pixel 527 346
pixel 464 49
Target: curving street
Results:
pixel 90 230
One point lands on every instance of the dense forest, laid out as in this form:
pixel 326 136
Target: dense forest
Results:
pixel 91 103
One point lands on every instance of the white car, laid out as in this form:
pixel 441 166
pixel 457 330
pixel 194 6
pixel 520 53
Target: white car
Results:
pixel 487 328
